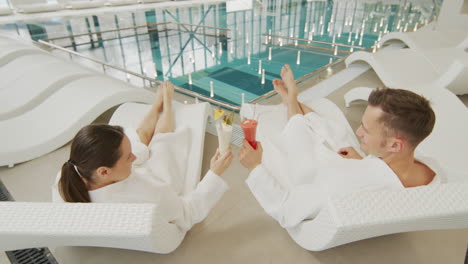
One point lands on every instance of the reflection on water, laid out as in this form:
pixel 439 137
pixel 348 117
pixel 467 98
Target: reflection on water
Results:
pixel 239 49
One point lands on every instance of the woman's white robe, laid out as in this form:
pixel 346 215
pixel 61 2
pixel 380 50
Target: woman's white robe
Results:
pixel 158 176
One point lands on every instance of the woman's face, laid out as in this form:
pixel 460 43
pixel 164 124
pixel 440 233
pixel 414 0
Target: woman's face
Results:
pixel 123 167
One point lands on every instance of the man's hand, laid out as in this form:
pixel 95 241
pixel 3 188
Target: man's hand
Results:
pixel 349 153
pixel 249 157
pixel 219 163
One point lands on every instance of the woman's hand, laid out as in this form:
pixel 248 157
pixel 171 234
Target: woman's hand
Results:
pixel 219 163
pixel 349 153
pixel 249 157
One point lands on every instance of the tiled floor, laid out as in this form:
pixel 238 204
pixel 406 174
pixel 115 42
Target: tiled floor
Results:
pixel 238 230
pixel 4 258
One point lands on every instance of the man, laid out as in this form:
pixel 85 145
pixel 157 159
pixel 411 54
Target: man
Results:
pixel 392 126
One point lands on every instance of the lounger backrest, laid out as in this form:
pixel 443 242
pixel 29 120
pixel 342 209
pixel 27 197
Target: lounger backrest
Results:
pixel 453 16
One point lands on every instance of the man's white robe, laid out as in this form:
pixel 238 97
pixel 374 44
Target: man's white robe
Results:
pixel 301 168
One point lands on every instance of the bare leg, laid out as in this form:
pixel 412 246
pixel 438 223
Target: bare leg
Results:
pixel 294 107
pixel 280 88
pixel 146 128
pixel 305 108
pixel 165 123
pixel 288 79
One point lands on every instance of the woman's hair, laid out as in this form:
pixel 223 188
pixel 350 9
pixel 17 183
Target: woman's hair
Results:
pixel 404 112
pixel 93 146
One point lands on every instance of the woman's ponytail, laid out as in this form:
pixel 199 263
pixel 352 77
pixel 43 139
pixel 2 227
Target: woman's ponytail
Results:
pixel 71 186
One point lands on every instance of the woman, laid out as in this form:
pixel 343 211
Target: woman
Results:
pixel 103 168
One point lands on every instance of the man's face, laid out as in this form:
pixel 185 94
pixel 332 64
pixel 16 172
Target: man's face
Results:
pixel 371 132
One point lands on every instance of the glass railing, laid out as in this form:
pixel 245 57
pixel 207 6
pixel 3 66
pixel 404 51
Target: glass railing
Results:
pixel 226 52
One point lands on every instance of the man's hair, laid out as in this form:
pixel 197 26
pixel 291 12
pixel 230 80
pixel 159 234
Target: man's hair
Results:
pixel 404 113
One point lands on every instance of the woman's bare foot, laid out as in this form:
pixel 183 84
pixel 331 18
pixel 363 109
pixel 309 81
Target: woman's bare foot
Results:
pixel 165 123
pixel 281 89
pixel 289 82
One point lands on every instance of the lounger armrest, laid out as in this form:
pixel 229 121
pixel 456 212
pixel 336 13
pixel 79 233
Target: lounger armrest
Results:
pixel 128 226
pixel 370 214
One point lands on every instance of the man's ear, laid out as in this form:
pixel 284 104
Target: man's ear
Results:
pixel 396 145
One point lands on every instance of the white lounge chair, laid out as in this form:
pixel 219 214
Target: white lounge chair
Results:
pixel 432 50
pixel 10 72
pixel 452 16
pixel 30 79
pixel 127 226
pixel 29 75
pixel 407 68
pixel 11 51
pixel 7 37
pixel 5 11
pixel 426 39
pixel 67 110
pixel 369 214
pixel 450 29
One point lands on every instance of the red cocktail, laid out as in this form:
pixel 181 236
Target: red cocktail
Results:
pixel 250 128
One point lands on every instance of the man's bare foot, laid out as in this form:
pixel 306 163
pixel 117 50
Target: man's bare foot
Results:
pixel 289 82
pixel 281 89
pixel 168 91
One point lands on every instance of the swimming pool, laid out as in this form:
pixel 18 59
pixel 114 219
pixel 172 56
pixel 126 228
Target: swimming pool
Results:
pixel 227 51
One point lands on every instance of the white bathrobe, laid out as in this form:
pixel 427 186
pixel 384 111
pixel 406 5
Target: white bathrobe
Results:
pixel 158 176
pixel 301 169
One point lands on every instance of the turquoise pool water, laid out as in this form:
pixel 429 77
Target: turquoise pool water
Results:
pixel 226 50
